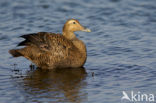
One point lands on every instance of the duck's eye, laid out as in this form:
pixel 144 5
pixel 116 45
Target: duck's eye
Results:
pixel 74 22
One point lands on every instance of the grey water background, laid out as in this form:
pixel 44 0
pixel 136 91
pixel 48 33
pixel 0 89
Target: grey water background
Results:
pixel 121 50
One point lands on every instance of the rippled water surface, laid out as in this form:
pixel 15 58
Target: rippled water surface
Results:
pixel 121 50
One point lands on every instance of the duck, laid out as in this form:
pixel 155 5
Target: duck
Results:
pixel 49 50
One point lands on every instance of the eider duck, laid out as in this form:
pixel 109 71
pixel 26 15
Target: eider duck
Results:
pixel 50 50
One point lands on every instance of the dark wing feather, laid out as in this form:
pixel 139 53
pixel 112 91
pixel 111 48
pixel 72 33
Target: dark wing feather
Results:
pixel 46 41
pixel 32 38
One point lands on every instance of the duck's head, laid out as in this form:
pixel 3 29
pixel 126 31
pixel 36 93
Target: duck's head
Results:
pixel 73 25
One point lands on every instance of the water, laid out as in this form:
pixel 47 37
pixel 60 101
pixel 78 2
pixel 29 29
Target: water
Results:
pixel 121 50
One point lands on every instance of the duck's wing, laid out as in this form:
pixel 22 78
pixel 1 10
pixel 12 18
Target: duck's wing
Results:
pixel 47 42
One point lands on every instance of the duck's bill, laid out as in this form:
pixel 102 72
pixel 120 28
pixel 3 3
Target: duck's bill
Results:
pixel 86 30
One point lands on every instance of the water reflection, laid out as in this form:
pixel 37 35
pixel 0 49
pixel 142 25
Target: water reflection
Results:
pixel 61 85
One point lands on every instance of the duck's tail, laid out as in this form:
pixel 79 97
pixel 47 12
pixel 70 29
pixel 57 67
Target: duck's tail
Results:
pixel 15 53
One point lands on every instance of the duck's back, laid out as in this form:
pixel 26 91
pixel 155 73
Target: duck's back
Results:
pixel 49 50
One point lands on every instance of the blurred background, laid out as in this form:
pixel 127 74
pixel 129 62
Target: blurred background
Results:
pixel 121 50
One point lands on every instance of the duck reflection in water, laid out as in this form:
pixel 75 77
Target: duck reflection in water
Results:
pixel 58 85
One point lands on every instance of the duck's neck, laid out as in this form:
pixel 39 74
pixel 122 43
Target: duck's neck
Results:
pixel 78 43
pixel 69 35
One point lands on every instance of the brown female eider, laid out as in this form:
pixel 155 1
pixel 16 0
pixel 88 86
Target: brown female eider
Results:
pixel 50 50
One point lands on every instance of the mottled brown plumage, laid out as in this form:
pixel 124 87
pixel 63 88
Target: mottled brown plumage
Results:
pixel 50 50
